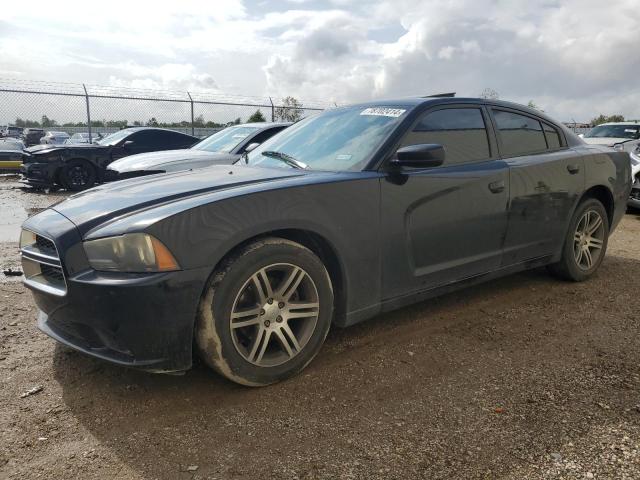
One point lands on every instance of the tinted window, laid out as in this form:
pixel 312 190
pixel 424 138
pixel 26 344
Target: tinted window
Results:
pixel 553 137
pixel 262 136
pixel 461 131
pixel 519 134
pixel 145 139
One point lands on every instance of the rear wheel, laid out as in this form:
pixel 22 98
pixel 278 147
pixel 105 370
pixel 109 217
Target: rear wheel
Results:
pixel 266 313
pixel 586 242
pixel 78 175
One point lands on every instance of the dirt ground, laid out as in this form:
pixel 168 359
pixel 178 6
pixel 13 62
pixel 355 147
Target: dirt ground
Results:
pixel 524 377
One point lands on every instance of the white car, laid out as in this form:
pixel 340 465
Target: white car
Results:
pixel 623 136
pixel 54 138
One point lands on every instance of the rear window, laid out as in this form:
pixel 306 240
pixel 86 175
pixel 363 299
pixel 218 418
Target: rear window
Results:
pixel 519 134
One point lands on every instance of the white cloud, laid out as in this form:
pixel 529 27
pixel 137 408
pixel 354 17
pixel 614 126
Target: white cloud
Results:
pixel 574 58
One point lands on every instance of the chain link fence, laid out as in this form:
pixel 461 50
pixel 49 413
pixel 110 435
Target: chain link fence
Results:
pixel 100 110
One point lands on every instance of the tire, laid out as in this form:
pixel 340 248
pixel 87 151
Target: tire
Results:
pixel 78 175
pixel 575 264
pixel 255 336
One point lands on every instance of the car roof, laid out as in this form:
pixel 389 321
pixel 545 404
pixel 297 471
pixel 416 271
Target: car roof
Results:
pixel 413 102
pixel 162 129
pixel 635 122
pixel 262 124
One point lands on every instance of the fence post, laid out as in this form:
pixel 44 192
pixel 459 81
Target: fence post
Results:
pixel 86 97
pixel 193 130
pixel 273 111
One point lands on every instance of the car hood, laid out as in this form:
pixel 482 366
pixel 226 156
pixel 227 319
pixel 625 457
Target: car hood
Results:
pixel 156 160
pixel 98 205
pixel 609 141
pixel 43 149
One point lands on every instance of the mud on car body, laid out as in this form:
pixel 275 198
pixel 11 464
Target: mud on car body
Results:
pixel 342 216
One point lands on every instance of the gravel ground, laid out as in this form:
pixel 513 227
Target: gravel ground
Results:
pixel 524 377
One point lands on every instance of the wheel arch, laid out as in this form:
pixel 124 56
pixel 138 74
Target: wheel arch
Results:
pixel 320 246
pixel 604 196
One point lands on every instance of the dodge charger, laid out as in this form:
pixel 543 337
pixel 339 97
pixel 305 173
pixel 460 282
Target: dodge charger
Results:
pixel 342 216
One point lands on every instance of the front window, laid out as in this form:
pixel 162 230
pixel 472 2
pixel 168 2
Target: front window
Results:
pixel 343 139
pixel 225 140
pixel 631 132
pixel 114 138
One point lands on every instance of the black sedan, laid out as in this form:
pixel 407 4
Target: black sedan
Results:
pixel 342 216
pixel 78 167
pixel 223 147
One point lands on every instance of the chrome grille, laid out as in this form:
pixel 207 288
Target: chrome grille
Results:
pixel 42 267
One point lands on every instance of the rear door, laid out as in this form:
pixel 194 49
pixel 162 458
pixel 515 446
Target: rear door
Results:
pixel 546 180
pixel 445 224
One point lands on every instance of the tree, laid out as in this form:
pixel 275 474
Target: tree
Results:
pixel 199 121
pixel 256 117
pixel 606 119
pixel 534 106
pixel 290 111
pixel 47 122
pixel 489 94
pixel 152 122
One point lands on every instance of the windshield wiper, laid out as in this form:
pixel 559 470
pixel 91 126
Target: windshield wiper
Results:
pixel 288 159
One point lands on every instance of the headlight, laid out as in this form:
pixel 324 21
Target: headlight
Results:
pixel 27 238
pixel 619 147
pixel 132 252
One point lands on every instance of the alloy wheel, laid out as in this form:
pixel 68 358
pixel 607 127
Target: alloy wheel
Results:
pixel 274 314
pixel 588 240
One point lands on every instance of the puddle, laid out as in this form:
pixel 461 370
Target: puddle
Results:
pixel 12 214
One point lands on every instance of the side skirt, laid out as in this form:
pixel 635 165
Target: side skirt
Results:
pixel 401 301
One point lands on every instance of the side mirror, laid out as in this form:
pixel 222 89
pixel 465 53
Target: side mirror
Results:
pixel 251 146
pixel 420 156
pixel 126 145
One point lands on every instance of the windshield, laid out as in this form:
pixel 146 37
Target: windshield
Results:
pixel 336 140
pixel 225 140
pixel 615 131
pixel 114 138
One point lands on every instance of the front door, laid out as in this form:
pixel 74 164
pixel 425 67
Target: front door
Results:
pixel 444 224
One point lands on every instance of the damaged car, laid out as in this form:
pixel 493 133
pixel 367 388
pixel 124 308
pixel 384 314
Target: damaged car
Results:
pixel 77 167
pixel 344 215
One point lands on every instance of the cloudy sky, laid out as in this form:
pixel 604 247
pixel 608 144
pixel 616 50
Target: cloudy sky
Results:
pixel 573 58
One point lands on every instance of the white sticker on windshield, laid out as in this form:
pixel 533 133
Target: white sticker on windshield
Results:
pixel 383 112
pixel 630 130
pixel 343 157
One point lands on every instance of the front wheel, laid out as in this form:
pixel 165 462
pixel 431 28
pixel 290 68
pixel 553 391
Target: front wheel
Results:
pixel 78 175
pixel 586 242
pixel 265 313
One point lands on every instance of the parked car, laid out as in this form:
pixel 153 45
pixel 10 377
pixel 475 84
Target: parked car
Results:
pixel 54 138
pixel 11 131
pixel 78 167
pixel 32 136
pixel 11 154
pixel 634 197
pixel 82 137
pixel 223 147
pixel 624 136
pixel 355 211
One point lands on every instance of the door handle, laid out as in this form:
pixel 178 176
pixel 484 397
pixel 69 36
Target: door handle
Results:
pixel 497 187
pixel 573 169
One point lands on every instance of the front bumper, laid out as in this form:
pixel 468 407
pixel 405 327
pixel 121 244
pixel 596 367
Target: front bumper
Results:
pixel 144 321
pixel 136 320
pixel 38 174
pixel 634 197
